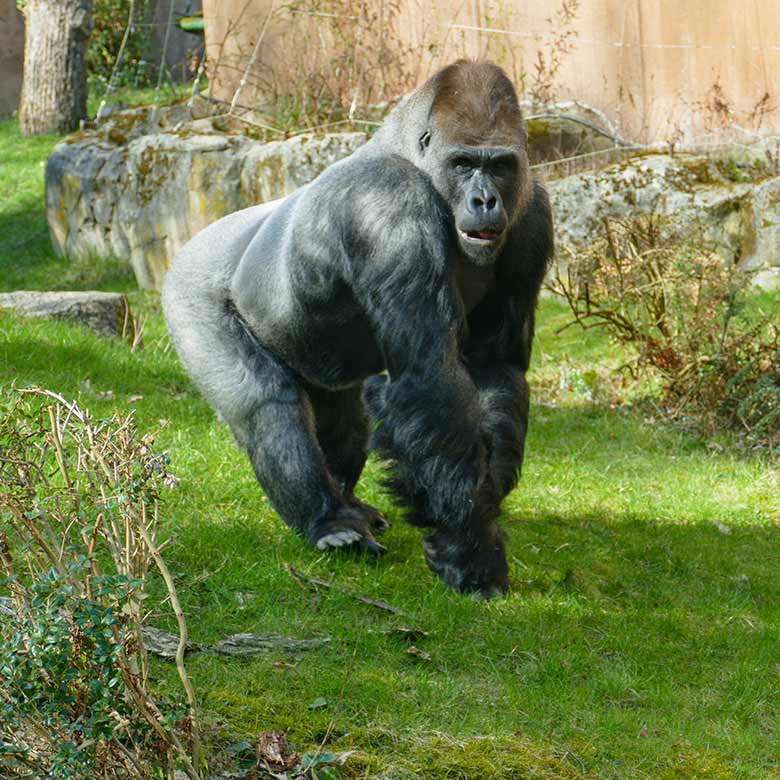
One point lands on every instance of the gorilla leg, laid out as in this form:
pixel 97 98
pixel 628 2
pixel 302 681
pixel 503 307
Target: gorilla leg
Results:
pixel 277 425
pixel 342 431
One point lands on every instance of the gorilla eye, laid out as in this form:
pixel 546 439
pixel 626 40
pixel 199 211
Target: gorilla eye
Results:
pixel 461 164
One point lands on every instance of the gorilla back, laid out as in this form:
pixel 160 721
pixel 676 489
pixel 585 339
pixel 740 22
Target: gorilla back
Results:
pixel 420 255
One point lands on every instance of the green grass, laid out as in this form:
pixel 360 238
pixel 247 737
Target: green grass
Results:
pixel 638 640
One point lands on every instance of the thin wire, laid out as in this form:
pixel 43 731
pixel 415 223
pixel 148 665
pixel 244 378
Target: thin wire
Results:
pixel 164 52
pixel 596 153
pixel 596 129
pixel 614 44
pixel 118 62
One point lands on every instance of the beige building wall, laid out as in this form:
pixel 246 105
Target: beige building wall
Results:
pixel 689 72
pixel 11 56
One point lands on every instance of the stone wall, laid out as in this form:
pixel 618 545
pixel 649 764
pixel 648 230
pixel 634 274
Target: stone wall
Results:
pixel 138 187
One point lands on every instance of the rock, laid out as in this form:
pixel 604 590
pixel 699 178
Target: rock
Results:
pixel 101 311
pixel 141 184
pixel 165 644
pixel 735 204
pixel 768 279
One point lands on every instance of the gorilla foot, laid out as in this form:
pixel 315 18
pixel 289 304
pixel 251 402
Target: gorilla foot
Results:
pixel 350 527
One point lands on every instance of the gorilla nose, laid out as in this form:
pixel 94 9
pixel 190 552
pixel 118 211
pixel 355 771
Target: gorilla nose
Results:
pixel 482 203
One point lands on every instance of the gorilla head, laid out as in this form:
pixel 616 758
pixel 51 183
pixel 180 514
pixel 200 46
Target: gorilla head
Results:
pixel 474 150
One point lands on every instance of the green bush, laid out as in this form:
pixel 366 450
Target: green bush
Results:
pixel 61 668
pixel 692 320
pixel 78 520
pixel 110 19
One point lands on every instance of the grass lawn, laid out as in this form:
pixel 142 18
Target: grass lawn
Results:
pixel 640 638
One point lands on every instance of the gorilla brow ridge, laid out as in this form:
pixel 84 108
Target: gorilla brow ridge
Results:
pixel 476 104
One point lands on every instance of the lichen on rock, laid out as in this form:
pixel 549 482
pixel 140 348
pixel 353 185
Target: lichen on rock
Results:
pixel 140 185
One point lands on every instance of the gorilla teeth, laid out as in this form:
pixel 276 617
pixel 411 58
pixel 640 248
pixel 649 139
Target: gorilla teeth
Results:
pixel 479 235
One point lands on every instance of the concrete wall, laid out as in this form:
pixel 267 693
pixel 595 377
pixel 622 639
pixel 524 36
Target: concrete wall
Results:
pixel 11 56
pixel 688 72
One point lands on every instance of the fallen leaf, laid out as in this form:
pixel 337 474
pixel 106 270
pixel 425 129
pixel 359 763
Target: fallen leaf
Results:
pixel 273 751
pixel 417 653
pixel 134 398
pixel 318 703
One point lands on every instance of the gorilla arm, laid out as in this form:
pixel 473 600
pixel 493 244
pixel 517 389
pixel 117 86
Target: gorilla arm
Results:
pixel 427 409
pixel 498 348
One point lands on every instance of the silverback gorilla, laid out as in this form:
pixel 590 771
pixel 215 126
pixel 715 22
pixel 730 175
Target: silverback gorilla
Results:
pixel 421 256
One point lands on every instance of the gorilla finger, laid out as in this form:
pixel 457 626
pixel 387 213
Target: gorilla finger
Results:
pixel 338 539
pixel 371 546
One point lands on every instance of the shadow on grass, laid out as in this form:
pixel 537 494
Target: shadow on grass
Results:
pixel 639 638
pixel 627 648
pixel 28 260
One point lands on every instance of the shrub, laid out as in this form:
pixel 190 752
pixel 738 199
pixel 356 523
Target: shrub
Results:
pixel 79 503
pixel 689 317
pixel 109 18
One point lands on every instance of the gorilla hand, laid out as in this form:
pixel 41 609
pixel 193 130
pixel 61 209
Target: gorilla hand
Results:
pixel 469 565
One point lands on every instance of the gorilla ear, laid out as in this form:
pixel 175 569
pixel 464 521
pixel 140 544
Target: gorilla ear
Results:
pixel 425 140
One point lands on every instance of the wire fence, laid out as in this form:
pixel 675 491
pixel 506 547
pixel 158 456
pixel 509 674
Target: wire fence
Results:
pixel 551 37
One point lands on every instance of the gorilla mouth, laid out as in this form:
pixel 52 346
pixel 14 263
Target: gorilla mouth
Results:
pixel 488 235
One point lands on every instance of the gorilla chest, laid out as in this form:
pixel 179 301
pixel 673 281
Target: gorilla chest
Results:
pixel 474 282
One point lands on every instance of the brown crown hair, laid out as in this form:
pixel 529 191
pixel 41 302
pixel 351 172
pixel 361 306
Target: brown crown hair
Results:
pixel 476 104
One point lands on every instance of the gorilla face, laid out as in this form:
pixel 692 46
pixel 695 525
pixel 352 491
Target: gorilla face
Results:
pixel 474 148
pixel 482 190
pixel 485 186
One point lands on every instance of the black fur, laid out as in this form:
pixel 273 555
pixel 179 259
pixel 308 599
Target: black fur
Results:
pixel 421 255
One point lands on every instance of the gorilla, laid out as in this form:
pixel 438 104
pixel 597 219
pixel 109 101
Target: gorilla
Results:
pixel 387 305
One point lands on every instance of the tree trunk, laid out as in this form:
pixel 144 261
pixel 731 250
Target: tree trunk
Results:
pixel 54 89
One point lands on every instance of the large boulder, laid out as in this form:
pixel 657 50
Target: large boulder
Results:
pixel 732 200
pixel 140 185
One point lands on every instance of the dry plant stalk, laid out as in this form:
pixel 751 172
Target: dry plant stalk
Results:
pixel 79 501
pixel 685 313
pixel 648 288
pixel 354 59
pixel 548 64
